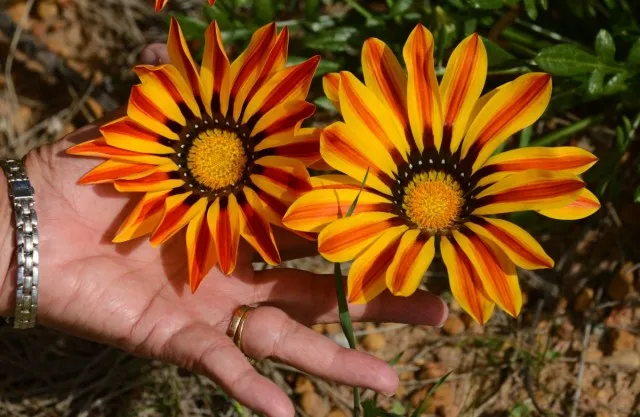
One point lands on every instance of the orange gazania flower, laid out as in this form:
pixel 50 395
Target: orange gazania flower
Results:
pixel 218 151
pixel 161 3
pixel 432 177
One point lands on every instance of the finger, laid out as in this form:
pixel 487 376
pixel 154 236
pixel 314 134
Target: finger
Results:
pixel 154 54
pixel 311 298
pixel 269 332
pixel 200 348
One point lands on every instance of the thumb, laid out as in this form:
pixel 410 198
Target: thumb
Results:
pixel 154 54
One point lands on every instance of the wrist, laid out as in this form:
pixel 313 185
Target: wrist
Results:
pixel 7 251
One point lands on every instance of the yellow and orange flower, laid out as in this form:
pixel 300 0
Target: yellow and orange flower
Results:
pixel 219 151
pixel 433 177
pixel 161 3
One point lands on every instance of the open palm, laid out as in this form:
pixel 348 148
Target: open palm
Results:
pixel 137 297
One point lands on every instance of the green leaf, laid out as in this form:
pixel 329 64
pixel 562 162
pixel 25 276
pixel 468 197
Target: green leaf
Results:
pixel 605 46
pixel 325 104
pixel 355 200
pixel 595 84
pixel 370 409
pixel 263 10
pixel 486 4
pixel 636 196
pixel 531 9
pixel 634 54
pixel 311 8
pixel 191 28
pixel 420 410
pixel 399 7
pixel 544 4
pixel 570 60
pixel 496 55
pixel 332 40
pixel 616 84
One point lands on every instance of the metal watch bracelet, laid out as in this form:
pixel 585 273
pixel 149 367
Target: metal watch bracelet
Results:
pixel 27 255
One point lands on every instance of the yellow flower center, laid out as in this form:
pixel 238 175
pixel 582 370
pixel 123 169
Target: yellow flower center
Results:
pixel 217 158
pixel 433 200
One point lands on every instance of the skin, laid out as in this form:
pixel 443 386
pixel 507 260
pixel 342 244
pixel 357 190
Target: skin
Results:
pixel 136 298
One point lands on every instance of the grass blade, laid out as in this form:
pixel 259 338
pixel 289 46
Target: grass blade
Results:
pixel 420 410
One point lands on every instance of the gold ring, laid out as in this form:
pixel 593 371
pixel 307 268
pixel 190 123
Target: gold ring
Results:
pixel 236 327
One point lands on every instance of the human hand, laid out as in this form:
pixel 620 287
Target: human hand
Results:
pixel 136 297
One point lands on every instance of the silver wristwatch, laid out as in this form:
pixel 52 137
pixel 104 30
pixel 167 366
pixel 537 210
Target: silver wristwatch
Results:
pixel 21 194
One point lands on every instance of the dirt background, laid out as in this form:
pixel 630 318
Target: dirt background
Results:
pixel 574 351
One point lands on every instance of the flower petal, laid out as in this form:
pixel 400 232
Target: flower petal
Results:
pixel 283 178
pixel 366 278
pixel 201 253
pixel 343 239
pixel 282 121
pixel 528 190
pixel 585 205
pixel 275 62
pixel 461 87
pixel 303 146
pixel 516 242
pixel 515 106
pixel 157 181
pixel 496 272
pixel 384 76
pixel 144 217
pixel 346 152
pixel 99 148
pixel 414 255
pixel 144 111
pixel 223 218
pixel 288 84
pixel 423 97
pixel 316 208
pixel 124 133
pixel 255 228
pixel 335 181
pixel 369 119
pixel 247 67
pixel 465 283
pixel 215 73
pixel 179 210
pixel 160 4
pixel 331 87
pixel 568 159
pixel 167 80
pixel 110 170
pixel 182 60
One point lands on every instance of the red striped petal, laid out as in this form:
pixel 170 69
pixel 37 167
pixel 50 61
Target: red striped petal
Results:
pixel 276 61
pixel 331 86
pixel 423 98
pixel 247 67
pixel 466 285
pixel 290 83
pixel 516 242
pixel 201 254
pixel 113 170
pixel 126 134
pixel 215 73
pixel 284 178
pixel 414 255
pixel 223 218
pixel 157 181
pixel 303 146
pixel 366 278
pixel 100 149
pixel 182 60
pixel 496 272
pixel 256 230
pixel 144 217
pixel 179 210
pixel 385 77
